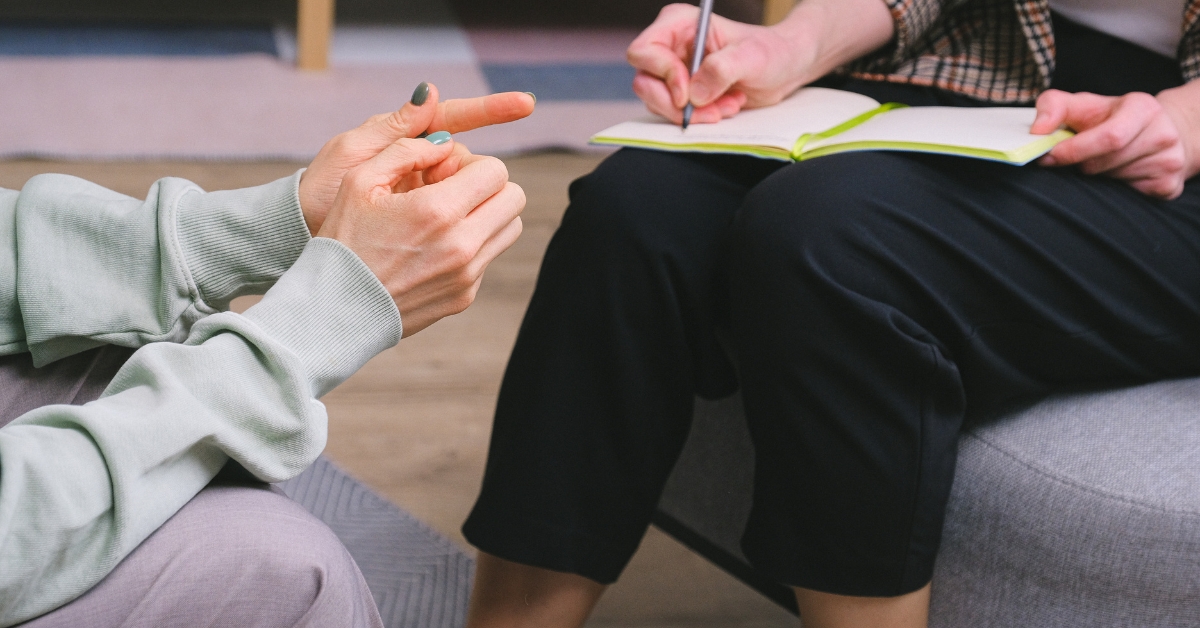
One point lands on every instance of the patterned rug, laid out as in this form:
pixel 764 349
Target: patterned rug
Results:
pixel 212 92
pixel 419 578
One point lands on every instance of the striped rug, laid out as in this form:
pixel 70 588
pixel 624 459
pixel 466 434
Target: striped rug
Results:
pixel 231 92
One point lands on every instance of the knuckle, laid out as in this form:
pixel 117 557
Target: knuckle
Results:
pixel 442 217
pixel 462 301
pixel 1158 186
pixel 356 178
pixel 375 119
pixel 494 175
pixel 1164 141
pixel 1065 153
pixel 397 122
pixel 1142 101
pixel 721 66
pixel 340 142
pixel 459 256
pixel 466 277
pixel 1174 161
pixel 677 8
pixel 515 195
pixel 1050 96
pixel 1110 139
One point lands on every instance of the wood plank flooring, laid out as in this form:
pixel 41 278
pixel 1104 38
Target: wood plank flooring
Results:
pixel 414 423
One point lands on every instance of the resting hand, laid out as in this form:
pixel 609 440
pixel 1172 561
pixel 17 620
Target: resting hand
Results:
pixel 1149 142
pixel 429 243
pixel 748 66
pixel 319 184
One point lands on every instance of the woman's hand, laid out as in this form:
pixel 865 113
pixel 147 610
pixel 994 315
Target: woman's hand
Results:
pixel 320 183
pixel 748 66
pixel 1149 142
pixel 744 66
pixel 429 242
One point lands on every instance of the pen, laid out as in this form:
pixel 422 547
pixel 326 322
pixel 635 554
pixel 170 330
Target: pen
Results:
pixel 698 56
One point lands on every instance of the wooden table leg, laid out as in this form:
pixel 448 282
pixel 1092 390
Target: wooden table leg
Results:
pixel 314 29
pixel 775 10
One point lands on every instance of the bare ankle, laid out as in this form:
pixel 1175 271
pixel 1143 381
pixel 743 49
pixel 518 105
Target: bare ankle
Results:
pixel 512 595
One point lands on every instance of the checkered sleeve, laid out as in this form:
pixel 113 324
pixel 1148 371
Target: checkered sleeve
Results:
pixel 915 21
pixel 913 18
pixel 1189 47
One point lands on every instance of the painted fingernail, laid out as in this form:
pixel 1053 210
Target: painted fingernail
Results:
pixel 533 96
pixel 420 94
pixel 441 137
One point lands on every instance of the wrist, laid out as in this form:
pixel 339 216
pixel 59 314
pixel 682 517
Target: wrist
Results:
pixel 309 201
pixel 799 39
pixel 331 312
pixel 827 34
pixel 239 242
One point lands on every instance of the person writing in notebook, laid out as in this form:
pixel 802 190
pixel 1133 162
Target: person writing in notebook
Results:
pixel 865 304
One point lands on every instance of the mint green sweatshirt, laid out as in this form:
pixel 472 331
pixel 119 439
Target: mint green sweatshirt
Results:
pixel 81 266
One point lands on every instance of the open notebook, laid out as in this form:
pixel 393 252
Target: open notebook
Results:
pixel 816 121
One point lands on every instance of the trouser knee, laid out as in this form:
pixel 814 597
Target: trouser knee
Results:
pixel 233 556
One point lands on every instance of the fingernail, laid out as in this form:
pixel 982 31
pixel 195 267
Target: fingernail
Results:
pixel 533 96
pixel 420 94
pixel 441 137
pixel 1049 160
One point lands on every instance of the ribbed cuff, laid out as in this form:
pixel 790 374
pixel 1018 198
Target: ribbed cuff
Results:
pixel 331 311
pixel 241 241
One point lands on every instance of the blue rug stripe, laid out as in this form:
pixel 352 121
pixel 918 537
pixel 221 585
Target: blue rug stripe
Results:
pixel 564 81
pixel 83 40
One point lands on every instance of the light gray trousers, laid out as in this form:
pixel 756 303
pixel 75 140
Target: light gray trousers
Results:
pixel 240 554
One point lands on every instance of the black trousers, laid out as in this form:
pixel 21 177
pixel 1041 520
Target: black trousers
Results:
pixel 867 305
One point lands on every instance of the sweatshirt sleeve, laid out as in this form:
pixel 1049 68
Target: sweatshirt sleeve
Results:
pixel 82 486
pixel 86 266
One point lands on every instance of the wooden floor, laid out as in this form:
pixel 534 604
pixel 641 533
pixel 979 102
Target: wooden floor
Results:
pixel 414 423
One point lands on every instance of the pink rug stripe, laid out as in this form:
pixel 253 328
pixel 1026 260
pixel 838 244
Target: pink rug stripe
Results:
pixel 241 108
pixel 546 46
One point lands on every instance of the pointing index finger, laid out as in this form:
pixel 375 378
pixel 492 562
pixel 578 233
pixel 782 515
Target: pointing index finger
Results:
pixel 464 114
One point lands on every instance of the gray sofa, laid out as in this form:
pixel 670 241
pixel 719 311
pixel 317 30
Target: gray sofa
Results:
pixel 1082 510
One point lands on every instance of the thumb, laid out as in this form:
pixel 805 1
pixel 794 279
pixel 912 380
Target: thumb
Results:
pixel 410 120
pixel 1078 112
pixel 1051 112
pixel 719 71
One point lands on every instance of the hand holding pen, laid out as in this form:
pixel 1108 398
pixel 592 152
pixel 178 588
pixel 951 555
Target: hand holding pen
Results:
pixel 742 65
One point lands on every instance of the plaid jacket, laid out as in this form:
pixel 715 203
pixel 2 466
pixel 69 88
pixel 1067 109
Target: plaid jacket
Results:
pixel 996 50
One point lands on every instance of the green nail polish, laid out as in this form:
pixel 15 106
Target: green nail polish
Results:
pixel 420 94
pixel 533 96
pixel 441 137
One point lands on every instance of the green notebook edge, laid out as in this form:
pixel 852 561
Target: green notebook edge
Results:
pixel 1018 157
pixel 765 152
